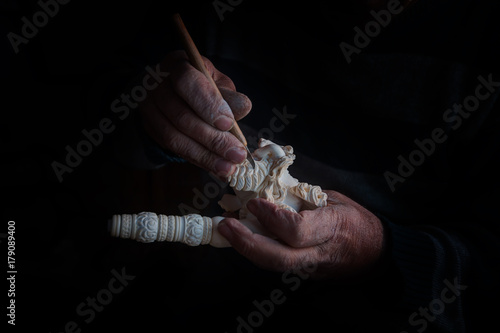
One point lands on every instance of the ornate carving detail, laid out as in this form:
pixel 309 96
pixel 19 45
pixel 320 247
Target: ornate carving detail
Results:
pixel 207 230
pixel 146 227
pixel 163 228
pixel 191 229
pixel 269 179
pixel 126 226
pixel 194 230
pixel 170 228
pixel 310 193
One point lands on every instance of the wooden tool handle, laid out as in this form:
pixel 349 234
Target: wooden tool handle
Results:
pixel 197 62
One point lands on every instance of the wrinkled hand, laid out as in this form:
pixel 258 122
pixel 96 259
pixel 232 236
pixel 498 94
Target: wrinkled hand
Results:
pixel 340 240
pixel 186 115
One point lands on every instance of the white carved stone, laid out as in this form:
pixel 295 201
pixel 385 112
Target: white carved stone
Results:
pixel 147 227
pixel 269 179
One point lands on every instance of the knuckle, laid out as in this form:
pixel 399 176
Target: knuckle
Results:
pixel 299 240
pixel 219 143
pixel 179 147
pixel 196 90
pixel 246 248
pixel 324 252
pixel 208 105
pixel 181 119
pixel 205 159
pixel 299 234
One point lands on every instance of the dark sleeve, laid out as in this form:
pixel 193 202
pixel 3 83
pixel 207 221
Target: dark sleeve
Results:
pixel 449 270
pixel 449 277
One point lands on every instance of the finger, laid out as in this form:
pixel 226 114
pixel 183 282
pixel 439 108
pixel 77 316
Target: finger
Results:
pixel 261 250
pixel 185 120
pixel 240 104
pixel 278 221
pixel 204 99
pixel 300 230
pixel 168 137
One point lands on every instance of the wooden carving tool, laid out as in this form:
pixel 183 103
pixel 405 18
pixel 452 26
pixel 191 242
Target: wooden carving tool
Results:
pixel 197 62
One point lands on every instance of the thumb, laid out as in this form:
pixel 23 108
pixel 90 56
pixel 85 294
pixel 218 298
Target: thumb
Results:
pixel 239 103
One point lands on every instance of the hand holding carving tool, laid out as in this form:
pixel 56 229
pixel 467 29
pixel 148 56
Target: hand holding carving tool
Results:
pixel 197 62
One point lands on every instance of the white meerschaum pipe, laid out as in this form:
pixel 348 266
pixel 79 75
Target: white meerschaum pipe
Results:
pixel 192 229
pixel 269 179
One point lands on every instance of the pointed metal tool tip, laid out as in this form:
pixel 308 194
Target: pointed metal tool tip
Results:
pixel 250 157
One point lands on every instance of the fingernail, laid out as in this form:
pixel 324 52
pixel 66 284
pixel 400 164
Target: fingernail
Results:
pixel 224 107
pixel 237 155
pixel 223 167
pixel 223 123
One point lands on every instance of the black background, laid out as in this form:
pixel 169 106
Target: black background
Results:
pixel 62 82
